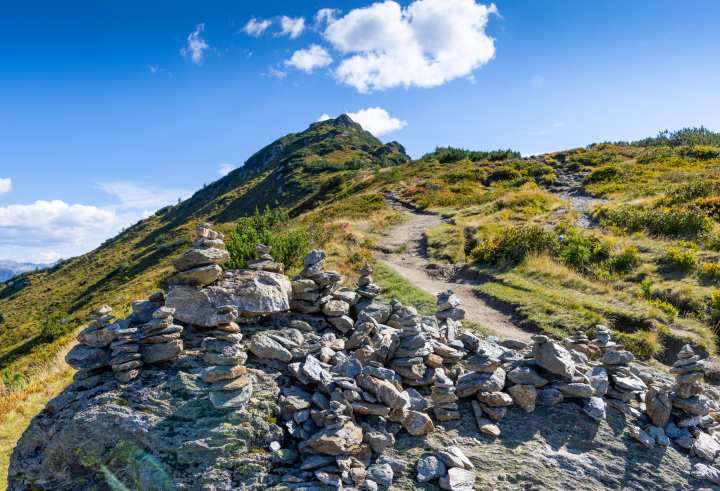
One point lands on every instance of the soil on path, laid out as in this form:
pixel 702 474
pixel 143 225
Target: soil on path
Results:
pixel 568 187
pixel 413 265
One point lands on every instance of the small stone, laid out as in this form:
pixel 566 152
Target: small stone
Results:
pixel 229 399
pixel 126 376
pixel 458 480
pixel 329 479
pixel 637 433
pixel 429 467
pixel 524 396
pixel 596 408
pixel 216 374
pixel 526 375
pixel 704 472
pixel 617 358
pixel 382 474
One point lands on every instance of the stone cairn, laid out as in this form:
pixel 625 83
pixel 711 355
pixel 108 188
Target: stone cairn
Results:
pixel 364 369
pixel 231 387
pixel 148 335
pixel 264 261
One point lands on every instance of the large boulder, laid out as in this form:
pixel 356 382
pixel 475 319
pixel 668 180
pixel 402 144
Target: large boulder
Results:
pixel 159 433
pixel 254 293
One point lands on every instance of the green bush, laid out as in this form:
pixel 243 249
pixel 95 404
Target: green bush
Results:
pixel 605 173
pixel 505 173
pixel 579 250
pixel 663 221
pixel 515 244
pixel 56 326
pixel 626 260
pixel 685 260
pixel 172 245
pixel 269 228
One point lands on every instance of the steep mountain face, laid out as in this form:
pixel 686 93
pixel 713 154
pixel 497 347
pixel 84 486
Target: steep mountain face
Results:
pixel 296 172
pixel 8 268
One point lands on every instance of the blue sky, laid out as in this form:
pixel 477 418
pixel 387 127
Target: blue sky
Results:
pixel 110 110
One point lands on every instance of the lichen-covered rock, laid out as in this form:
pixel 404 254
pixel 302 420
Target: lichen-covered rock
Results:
pixel 159 432
pixel 252 292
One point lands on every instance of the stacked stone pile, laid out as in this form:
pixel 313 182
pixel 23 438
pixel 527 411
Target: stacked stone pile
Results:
pixel 92 355
pixel 231 386
pixel 264 261
pixel 200 266
pixel 148 335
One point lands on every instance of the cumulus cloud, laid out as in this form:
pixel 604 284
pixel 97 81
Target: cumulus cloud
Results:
pixel 5 186
pixel 56 224
pixel 45 257
pixel 426 44
pixel 377 121
pixel 309 59
pixel 324 117
pixel 140 196
pixel 291 27
pixel 255 27
pixel 196 45
pixel 226 169
pixel 325 16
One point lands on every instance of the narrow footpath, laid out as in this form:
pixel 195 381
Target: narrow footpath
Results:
pixel 413 265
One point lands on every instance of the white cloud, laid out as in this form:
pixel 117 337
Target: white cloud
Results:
pixel 255 28
pixel 426 44
pixel 226 169
pixel 309 59
pixel 196 45
pixel 292 27
pixel 139 196
pixel 5 186
pixel 377 121
pixel 56 224
pixel 324 117
pixel 273 72
pixel 324 16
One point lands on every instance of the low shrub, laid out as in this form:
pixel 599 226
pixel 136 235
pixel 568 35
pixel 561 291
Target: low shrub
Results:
pixel 605 173
pixel 172 245
pixel 269 228
pixel 685 260
pixel 580 250
pixel 702 152
pixel 505 173
pixel 56 326
pixel 708 270
pixel 515 244
pixel 673 221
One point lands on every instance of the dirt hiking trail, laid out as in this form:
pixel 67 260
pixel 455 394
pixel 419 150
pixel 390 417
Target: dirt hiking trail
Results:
pixel 413 265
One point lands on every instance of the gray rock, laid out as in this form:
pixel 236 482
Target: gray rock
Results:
pixel 214 358
pixel 526 376
pixel 202 276
pixel 229 399
pixel 263 346
pixel 458 480
pixel 596 408
pixel 314 257
pixel 327 278
pixel 705 447
pixel 382 474
pixel 86 358
pixel 598 380
pixel 549 397
pixel 252 292
pixel 657 433
pixel 630 384
pixel 97 338
pixel 159 352
pixel 699 404
pixel 575 389
pixel 429 467
pixel 201 256
pixel 417 401
pixel 377 308
pixel 704 472
pixel 554 358
pixel 396 465
pixel 474 382
pixel 342 323
pixel 617 358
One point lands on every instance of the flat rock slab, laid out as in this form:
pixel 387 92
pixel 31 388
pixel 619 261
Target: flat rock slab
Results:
pixel 254 293
pixel 229 399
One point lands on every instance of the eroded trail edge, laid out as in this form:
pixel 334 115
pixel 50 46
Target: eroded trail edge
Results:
pixel 412 264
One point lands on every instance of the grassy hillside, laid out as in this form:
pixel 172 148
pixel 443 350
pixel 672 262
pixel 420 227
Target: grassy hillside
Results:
pixel 295 172
pixel 649 274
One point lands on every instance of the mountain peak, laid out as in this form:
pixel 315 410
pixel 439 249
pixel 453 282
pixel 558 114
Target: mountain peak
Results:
pixel 343 121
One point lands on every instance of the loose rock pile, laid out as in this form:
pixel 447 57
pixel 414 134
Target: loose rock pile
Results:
pixel 364 369
pixel 148 335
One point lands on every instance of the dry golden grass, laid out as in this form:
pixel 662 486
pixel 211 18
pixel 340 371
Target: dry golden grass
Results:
pixel 19 406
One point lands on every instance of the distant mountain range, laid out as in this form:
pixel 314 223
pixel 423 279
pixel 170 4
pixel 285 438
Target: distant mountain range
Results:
pixel 9 268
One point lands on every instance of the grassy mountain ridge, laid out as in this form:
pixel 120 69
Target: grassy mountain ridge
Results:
pixel 295 170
